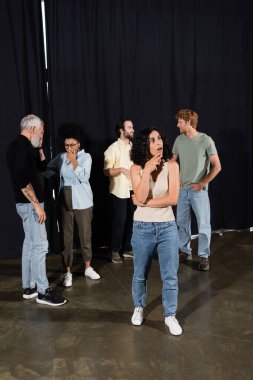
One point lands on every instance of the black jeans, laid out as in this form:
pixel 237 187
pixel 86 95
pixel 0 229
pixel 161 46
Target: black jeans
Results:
pixel 122 223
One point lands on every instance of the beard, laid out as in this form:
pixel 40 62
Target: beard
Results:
pixel 129 136
pixel 35 141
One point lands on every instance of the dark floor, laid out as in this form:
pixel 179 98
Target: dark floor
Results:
pixel 91 337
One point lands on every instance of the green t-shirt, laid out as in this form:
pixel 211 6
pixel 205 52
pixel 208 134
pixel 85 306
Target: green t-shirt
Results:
pixel 193 157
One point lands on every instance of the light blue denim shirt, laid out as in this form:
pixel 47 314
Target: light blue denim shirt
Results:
pixel 78 178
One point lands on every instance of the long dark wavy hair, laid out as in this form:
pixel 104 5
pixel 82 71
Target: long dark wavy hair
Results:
pixel 140 151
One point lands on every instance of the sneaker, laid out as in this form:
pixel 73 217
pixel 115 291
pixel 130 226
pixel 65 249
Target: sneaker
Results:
pixel 204 263
pixel 50 298
pixel 116 258
pixel 89 272
pixel 67 280
pixel 183 256
pixel 29 293
pixel 128 254
pixel 137 317
pixel 173 325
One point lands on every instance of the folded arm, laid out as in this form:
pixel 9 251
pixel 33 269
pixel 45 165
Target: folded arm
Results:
pixel 82 171
pixel 171 197
pixel 140 182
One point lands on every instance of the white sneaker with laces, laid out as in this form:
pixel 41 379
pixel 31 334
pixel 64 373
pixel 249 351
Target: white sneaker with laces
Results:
pixel 173 325
pixel 90 272
pixel 137 317
pixel 67 280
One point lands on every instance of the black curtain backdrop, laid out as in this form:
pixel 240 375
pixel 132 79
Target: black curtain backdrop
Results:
pixel 22 91
pixel 147 59
pixel 144 59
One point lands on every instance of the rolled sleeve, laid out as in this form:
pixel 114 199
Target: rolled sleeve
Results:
pixel 83 169
pixel 175 149
pixel 211 148
pixel 109 158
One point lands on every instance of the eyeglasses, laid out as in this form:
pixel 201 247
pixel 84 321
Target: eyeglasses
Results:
pixel 70 145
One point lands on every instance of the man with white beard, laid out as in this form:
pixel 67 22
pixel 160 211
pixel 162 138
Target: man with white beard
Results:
pixel 24 163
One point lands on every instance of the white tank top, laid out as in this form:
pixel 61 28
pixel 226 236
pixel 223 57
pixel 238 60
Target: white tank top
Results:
pixel 156 190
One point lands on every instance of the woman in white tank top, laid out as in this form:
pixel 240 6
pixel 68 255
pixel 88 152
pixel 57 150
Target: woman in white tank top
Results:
pixel 155 181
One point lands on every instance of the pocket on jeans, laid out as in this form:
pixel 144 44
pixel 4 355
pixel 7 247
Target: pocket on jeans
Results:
pixel 22 210
pixel 140 225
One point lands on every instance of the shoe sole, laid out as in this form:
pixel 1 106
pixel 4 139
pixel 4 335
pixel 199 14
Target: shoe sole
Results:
pixel 117 262
pixel 175 334
pixel 97 278
pixel 137 324
pixel 128 256
pixel 67 286
pixel 204 269
pixel 30 296
pixel 186 259
pixel 49 303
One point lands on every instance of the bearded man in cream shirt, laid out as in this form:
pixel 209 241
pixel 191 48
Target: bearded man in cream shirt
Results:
pixel 117 165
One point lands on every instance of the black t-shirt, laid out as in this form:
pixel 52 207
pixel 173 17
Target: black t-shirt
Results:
pixel 24 167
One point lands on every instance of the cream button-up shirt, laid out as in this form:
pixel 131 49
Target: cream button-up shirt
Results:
pixel 117 156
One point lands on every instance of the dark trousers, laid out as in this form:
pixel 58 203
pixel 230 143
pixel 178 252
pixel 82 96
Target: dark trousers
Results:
pixel 122 223
pixel 83 219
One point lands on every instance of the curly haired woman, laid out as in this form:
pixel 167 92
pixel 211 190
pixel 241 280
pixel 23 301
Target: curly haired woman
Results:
pixel 75 198
pixel 155 181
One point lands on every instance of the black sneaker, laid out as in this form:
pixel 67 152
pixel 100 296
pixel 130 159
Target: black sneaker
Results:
pixel 50 298
pixel 204 263
pixel 183 257
pixel 29 293
pixel 116 258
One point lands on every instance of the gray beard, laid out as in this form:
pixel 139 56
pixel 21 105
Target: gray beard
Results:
pixel 35 141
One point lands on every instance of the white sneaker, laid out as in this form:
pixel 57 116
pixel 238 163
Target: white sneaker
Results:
pixel 89 272
pixel 67 280
pixel 173 325
pixel 137 317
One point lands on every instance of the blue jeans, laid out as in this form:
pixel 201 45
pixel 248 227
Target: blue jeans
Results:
pixel 35 248
pixel 199 202
pixel 164 237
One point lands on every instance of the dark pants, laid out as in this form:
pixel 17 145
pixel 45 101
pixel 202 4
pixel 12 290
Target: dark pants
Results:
pixel 122 223
pixel 83 219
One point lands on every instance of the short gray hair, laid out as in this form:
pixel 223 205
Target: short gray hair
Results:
pixel 30 121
